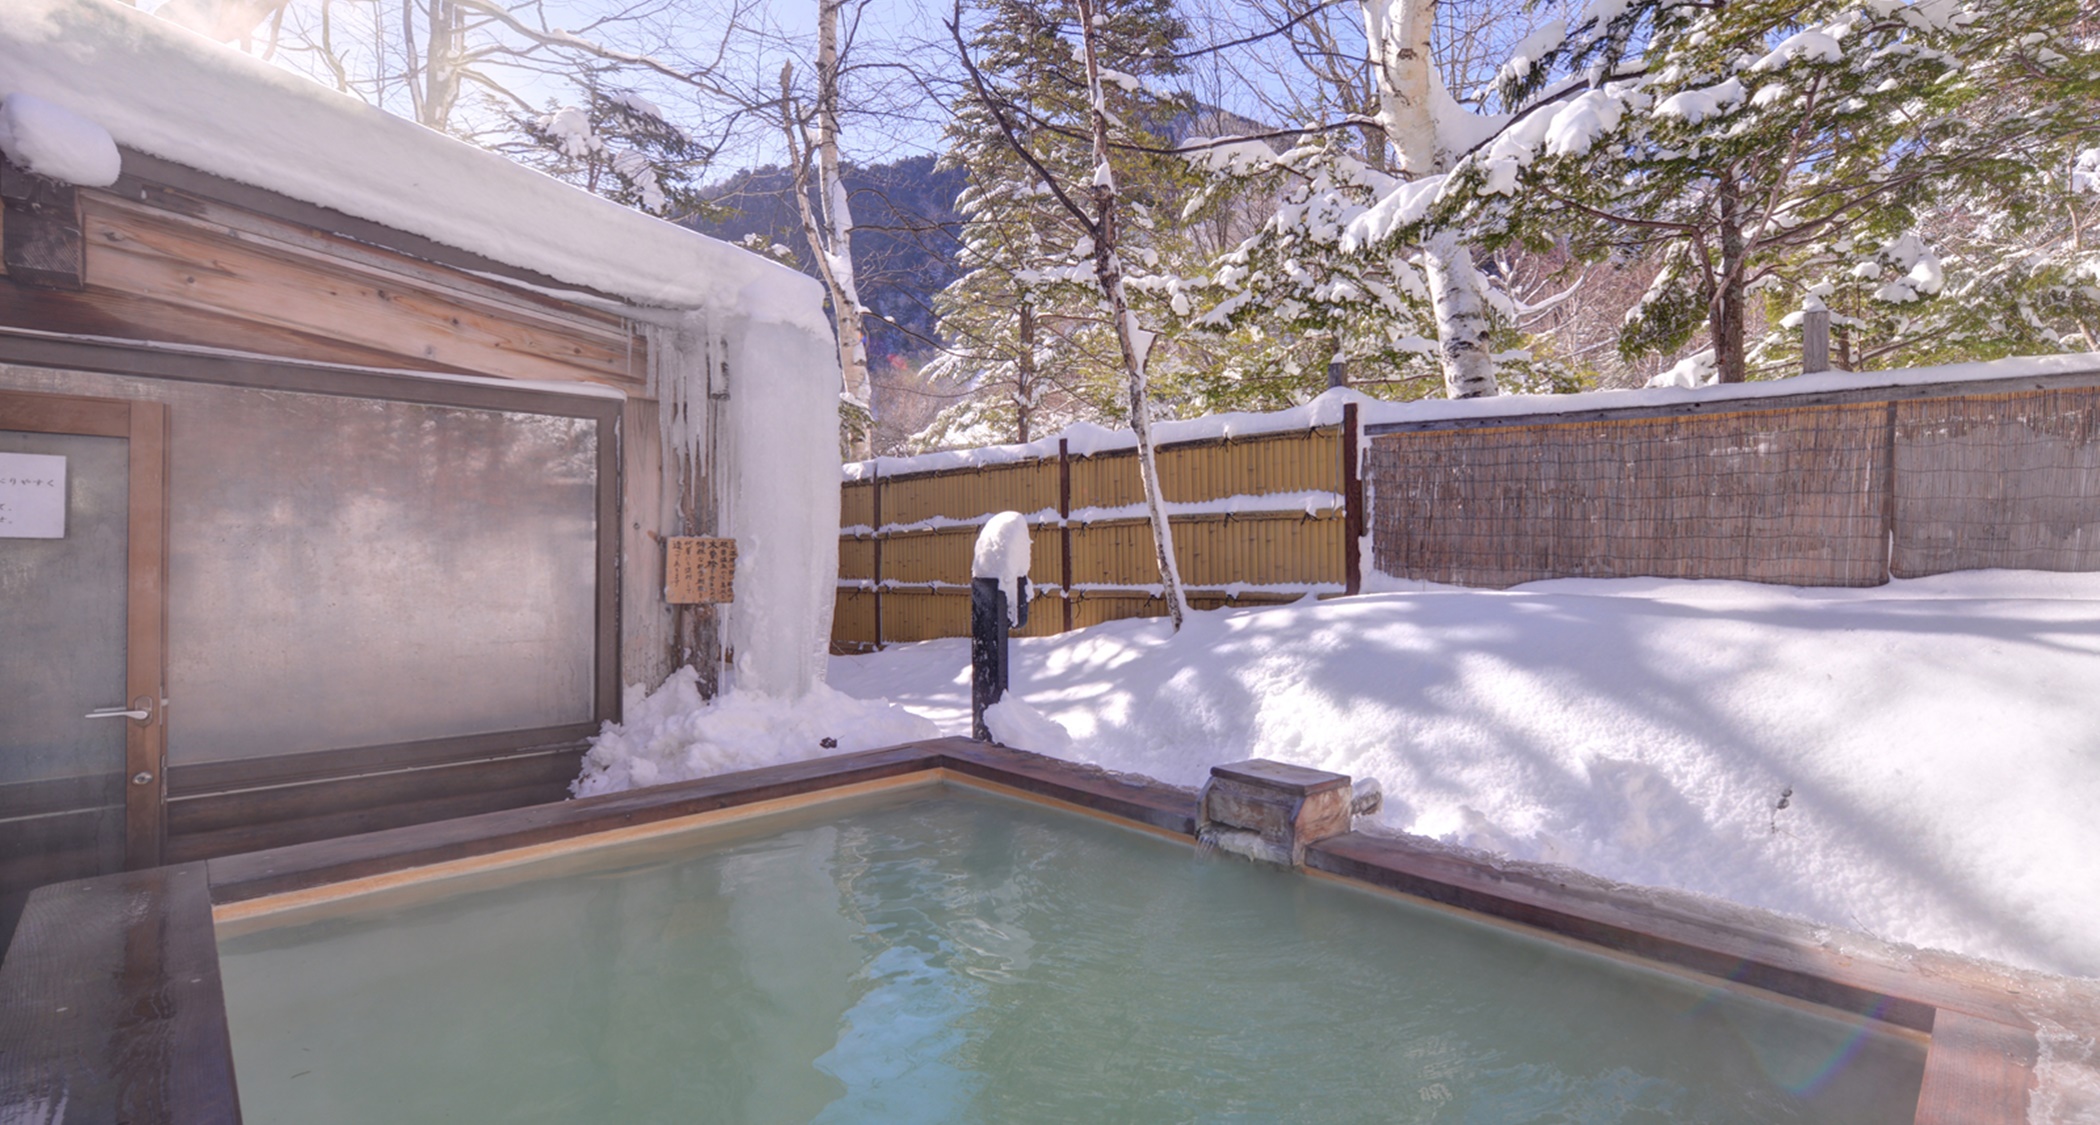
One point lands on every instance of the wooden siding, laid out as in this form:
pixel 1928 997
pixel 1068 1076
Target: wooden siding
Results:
pixel 248 269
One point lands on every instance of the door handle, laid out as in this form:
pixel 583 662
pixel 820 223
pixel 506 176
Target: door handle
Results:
pixel 117 712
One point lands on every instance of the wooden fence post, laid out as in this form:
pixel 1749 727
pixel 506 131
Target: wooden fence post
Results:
pixel 1064 525
pixel 1815 340
pixel 1352 506
pixel 875 501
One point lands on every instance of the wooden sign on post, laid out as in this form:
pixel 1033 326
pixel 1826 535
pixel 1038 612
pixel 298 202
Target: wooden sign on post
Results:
pixel 699 571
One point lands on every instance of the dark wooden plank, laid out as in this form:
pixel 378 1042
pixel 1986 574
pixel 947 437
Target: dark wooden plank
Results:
pixel 551 770
pixel 253 875
pixel 1977 1070
pixel 145 635
pixel 40 241
pixel 190 847
pixel 1090 787
pixel 198 778
pixel 1352 502
pixel 2085 378
pixel 1777 954
pixel 110 1004
pixel 1299 781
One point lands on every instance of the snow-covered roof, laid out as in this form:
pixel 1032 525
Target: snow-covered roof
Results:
pixel 1086 439
pixel 163 90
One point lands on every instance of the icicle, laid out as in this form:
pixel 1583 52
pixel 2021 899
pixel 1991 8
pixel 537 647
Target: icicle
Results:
pixel 680 362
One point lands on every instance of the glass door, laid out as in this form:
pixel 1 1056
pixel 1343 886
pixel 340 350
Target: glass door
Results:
pixel 82 737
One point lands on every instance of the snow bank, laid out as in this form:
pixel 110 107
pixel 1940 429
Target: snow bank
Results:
pixel 166 91
pixel 1016 724
pixel 1940 737
pixel 53 141
pixel 670 734
pixel 1326 410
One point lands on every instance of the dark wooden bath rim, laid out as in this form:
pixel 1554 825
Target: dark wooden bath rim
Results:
pixel 111 1007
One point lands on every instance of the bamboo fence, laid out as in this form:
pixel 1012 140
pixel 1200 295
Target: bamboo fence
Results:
pixel 904 551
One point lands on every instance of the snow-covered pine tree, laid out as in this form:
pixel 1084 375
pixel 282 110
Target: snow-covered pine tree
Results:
pixel 1289 300
pixel 1346 265
pixel 1028 347
pixel 1829 148
pixel 617 144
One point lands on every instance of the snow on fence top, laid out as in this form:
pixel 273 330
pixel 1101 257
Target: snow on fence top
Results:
pixel 161 89
pixel 1086 439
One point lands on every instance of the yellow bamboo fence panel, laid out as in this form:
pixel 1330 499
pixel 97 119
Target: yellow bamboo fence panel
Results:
pixel 930 521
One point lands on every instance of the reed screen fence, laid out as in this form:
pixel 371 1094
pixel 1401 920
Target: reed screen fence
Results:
pixel 1838 494
pixel 1835 489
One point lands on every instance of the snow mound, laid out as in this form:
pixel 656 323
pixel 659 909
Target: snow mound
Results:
pixel 51 140
pixel 1002 553
pixel 671 734
pixel 1016 724
pixel 1936 742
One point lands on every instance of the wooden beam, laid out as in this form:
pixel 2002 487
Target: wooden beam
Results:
pixel 185 263
pixel 122 316
pixel 215 219
pixel 145 632
pixel 40 240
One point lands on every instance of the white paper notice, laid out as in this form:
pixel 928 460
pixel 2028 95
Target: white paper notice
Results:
pixel 32 496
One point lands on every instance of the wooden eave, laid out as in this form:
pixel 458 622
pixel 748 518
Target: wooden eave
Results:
pixel 172 254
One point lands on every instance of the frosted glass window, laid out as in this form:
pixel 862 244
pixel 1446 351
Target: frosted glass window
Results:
pixel 353 571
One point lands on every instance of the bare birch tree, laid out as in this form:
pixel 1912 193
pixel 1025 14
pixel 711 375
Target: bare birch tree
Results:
pixel 813 134
pixel 1412 100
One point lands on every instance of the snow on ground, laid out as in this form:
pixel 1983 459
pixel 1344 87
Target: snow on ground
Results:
pixel 1937 740
pixel 671 734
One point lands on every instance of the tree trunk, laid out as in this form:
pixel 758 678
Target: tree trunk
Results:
pixel 1726 313
pixel 1024 374
pixel 1456 296
pixel 1397 39
pixel 845 298
pixel 1136 344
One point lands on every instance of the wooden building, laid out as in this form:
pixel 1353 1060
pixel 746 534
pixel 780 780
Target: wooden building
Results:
pixel 370 443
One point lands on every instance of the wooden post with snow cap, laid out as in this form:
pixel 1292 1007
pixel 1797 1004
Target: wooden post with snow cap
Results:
pixel 998 605
pixel 1815 337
